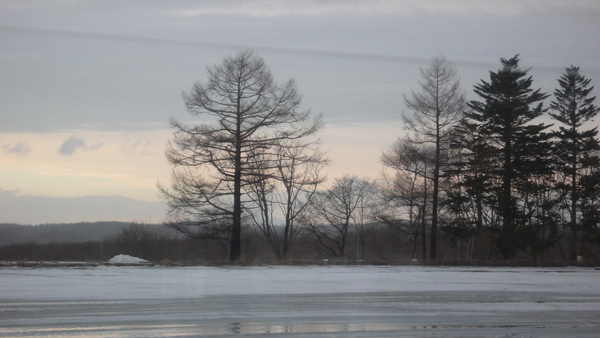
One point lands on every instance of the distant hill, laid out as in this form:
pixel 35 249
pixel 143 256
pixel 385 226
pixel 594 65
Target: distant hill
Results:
pixel 59 233
pixel 27 209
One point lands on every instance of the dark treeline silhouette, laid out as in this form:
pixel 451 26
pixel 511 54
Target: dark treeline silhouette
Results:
pixel 98 241
pixel 59 232
pixel 510 187
pixel 481 180
pixel 369 243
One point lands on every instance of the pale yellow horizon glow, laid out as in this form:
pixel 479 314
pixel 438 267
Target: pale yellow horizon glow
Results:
pixel 109 163
pixel 131 163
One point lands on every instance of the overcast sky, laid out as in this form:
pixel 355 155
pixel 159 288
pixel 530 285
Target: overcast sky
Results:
pixel 87 87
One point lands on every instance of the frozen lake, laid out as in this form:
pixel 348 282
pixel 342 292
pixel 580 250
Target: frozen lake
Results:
pixel 308 301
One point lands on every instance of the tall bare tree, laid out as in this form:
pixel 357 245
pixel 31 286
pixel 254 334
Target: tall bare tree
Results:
pixel 435 110
pixel 245 114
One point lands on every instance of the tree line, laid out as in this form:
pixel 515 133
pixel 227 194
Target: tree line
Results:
pixel 368 243
pixel 485 176
pixel 58 232
pixel 508 181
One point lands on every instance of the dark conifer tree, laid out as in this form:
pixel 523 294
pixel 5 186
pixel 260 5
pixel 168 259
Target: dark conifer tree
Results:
pixel 517 148
pixel 467 195
pixel 577 150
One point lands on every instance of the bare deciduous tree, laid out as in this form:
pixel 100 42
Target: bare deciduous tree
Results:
pixel 213 161
pixel 332 213
pixel 293 184
pixel 435 110
pixel 407 191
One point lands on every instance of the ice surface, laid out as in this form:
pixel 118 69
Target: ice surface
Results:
pixel 320 301
pixel 121 283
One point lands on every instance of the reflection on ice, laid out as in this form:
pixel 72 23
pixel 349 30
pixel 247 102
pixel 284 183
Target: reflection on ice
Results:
pixel 236 328
pixel 256 328
pixel 221 329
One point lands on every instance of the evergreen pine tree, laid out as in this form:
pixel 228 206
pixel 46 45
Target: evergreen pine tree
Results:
pixel 517 148
pixel 467 194
pixel 577 150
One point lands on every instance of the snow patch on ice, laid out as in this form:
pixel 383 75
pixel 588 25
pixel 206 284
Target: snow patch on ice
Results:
pixel 126 259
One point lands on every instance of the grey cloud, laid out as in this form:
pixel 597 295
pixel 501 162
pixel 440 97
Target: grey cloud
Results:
pixel 129 147
pixel 139 146
pixel 70 146
pixel 21 148
pixel 129 75
pixel 93 146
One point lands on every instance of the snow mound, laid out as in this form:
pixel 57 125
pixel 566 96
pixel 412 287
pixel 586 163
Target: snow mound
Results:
pixel 126 259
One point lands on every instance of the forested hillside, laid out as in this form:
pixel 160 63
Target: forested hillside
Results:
pixel 59 233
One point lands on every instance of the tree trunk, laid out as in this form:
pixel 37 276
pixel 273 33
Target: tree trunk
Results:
pixel 505 240
pixel 235 241
pixel 423 221
pixel 573 223
pixel 434 202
